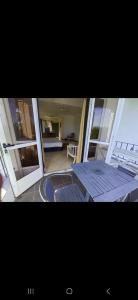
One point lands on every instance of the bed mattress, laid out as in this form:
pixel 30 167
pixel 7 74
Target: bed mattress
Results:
pixel 52 143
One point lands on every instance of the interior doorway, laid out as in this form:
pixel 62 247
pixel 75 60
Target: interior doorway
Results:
pixel 60 123
pixel 30 138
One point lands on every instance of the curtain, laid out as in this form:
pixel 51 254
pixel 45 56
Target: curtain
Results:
pixel 27 125
pixel 79 153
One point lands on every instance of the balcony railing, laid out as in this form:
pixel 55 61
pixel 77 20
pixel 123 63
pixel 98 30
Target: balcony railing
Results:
pixel 126 152
pixel 126 146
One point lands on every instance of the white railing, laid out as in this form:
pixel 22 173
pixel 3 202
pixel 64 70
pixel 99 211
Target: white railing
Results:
pixel 125 153
pixel 126 146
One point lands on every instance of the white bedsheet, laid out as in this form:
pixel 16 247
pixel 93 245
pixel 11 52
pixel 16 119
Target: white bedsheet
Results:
pixel 52 143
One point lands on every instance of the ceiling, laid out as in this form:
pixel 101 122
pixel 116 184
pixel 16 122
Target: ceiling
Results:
pixel 77 102
pixel 60 106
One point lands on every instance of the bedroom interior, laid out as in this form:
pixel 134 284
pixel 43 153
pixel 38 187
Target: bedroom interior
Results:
pixel 60 122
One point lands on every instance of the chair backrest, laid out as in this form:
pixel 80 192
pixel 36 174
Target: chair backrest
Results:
pixel 73 149
pixel 54 182
pixel 133 174
pixel 132 197
pixel 49 190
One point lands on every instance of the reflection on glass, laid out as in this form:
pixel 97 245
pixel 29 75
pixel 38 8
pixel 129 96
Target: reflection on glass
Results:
pixel 103 118
pixel 97 151
pixel 22 118
pixel 24 160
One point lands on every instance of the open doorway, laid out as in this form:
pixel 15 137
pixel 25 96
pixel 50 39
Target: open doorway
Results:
pixel 60 122
pixel 22 148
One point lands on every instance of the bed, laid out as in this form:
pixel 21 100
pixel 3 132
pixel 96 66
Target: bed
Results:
pixel 52 144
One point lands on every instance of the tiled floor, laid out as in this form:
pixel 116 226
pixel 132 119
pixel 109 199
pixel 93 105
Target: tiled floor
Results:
pixel 31 195
pixel 56 161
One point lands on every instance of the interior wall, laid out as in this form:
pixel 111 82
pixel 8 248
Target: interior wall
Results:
pixel 63 101
pixel 128 129
pixel 71 124
pixel 77 126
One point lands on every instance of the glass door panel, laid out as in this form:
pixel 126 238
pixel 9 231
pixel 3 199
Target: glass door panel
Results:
pixel 21 142
pixel 100 125
pixel 103 119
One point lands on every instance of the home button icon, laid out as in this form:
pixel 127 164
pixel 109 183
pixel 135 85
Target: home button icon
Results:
pixel 69 291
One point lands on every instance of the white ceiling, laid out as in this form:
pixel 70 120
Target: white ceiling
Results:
pixel 60 106
pixel 64 101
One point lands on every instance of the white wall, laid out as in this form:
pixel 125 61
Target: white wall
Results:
pixel 70 118
pixel 71 124
pixel 128 129
pixel 77 126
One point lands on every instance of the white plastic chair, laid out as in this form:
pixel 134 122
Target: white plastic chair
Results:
pixel 72 151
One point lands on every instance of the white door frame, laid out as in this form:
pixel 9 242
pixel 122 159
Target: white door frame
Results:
pixel 119 111
pixel 21 185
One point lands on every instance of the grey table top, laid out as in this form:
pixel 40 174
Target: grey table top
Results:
pixel 103 182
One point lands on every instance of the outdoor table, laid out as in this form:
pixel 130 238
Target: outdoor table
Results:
pixel 103 182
